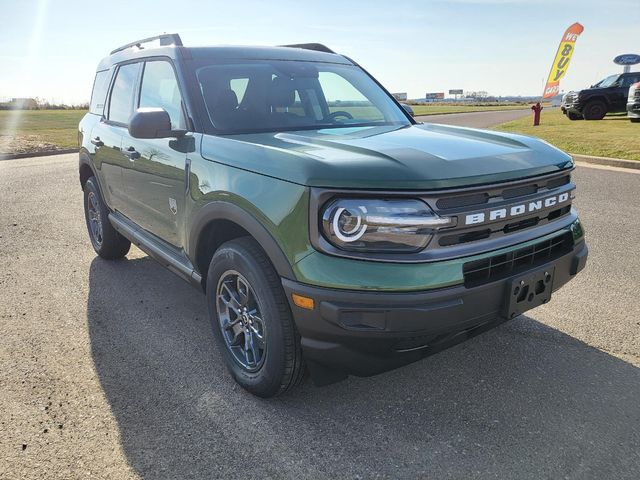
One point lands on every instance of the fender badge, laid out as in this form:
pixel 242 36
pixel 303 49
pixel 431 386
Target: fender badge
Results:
pixel 173 205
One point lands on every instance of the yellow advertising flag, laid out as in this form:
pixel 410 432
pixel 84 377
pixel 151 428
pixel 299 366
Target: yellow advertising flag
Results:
pixel 561 62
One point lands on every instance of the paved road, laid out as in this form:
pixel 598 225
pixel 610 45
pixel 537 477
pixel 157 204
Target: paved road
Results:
pixel 109 370
pixel 475 119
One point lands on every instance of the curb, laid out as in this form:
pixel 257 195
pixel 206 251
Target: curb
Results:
pixel 610 162
pixel 45 153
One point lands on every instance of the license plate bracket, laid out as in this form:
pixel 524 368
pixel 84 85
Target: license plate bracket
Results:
pixel 528 291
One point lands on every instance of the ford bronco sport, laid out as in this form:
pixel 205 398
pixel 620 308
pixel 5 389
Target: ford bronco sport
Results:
pixel 329 230
pixel 607 96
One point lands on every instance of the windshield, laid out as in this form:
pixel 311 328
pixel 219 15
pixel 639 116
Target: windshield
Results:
pixel 607 82
pixel 277 95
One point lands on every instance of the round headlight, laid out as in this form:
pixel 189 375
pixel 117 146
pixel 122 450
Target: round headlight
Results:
pixel 389 225
pixel 348 223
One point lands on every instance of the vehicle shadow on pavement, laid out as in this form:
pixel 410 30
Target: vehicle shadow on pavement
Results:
pixel 521 401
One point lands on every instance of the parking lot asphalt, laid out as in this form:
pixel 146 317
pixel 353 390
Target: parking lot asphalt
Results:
pixel 109 369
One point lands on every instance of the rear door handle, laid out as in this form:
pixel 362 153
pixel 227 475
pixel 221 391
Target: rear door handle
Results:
pixel 97 142
pixel 131 152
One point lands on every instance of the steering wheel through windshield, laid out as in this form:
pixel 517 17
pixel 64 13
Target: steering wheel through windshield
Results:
pixel 332 117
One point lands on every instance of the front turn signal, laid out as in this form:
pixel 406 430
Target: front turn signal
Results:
pixel 303 302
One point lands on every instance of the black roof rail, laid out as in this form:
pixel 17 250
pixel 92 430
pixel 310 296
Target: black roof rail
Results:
pixel 165 39
pixel 318 47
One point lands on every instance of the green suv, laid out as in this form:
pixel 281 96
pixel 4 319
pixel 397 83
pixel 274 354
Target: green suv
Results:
pixel 330 231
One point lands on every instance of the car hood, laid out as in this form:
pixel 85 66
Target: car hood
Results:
pixel 423 156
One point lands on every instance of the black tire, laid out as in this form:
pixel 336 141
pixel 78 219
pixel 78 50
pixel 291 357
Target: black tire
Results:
pixel 573 116
pixel 634 120
pixel 107 243
pixel 282 367
pixel 594 110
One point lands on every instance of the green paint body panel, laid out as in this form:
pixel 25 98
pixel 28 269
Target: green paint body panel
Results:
pixel 279 206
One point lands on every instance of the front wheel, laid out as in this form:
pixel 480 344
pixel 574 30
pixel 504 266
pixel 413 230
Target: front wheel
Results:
pixel 634 120
pixel 573 116
pixel 594 110
pixel 252 321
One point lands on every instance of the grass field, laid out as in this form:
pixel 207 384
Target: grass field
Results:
pixel 614 136
pixel 37 130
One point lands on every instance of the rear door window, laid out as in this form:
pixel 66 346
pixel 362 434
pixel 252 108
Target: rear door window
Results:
pixel 122 93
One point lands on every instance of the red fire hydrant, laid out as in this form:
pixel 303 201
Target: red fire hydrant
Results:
pixel 537 108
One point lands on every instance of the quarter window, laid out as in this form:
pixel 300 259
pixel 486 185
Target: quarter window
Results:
pixel 160 89
pixel 100 87
pixel 121 103
pixel 239 87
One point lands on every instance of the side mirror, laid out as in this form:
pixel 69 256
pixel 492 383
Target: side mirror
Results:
pixel 408 109
pixel 152 122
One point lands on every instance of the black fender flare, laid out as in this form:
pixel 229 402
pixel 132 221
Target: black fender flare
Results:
pixel 84 159
pixel 599 97
pixel 221 210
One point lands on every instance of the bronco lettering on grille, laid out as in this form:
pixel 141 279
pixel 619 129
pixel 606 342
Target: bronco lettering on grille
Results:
pixel 516 210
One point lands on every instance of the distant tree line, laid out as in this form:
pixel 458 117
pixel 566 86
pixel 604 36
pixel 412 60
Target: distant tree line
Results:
pixel 38 104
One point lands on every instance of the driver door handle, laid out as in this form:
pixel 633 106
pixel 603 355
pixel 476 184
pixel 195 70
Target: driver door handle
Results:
pixel 131 152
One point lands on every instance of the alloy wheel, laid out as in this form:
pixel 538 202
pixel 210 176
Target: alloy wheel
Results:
pixel 95 219
pixel 240 320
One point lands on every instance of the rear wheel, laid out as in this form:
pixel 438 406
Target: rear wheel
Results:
pixel 594 110
pixel 106 240
pixel 252 321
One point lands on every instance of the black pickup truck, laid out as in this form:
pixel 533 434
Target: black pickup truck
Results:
pixel 606 96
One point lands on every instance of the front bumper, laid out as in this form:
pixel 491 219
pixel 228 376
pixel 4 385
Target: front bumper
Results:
pixel 633 110
pixel 365 333
pixel 574 108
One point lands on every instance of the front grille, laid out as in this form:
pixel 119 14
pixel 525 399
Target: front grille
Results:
pixel 494 198
pixel 482 233
pixel 463 201
pixel 502 266
pixel 570 98
pixel 483 198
